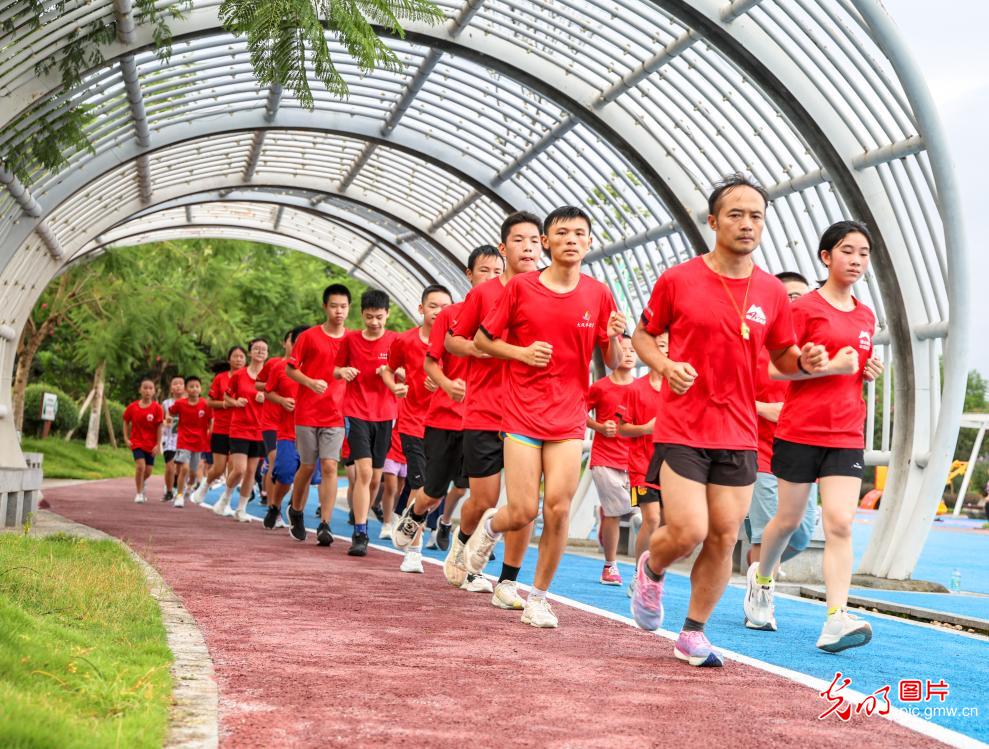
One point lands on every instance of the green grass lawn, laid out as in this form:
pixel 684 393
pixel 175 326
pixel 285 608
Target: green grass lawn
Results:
pixel 71 460
pixel 83 657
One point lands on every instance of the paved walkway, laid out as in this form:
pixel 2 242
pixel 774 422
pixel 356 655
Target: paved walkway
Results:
pixel 315 648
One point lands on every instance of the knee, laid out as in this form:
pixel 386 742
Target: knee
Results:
pixel 685 538
pixel 722 541
pixel 558 512
pixel 520 517
pixel 838 528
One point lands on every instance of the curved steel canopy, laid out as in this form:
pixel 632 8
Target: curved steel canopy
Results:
pixel 631 108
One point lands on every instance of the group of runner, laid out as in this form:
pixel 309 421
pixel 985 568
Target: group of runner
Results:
pixel 499 385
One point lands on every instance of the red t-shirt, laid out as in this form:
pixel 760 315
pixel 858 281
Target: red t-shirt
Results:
pixel 485 377
pixel 395 453
pixel 221 416
pixel 444 412
pixel 271 413
pixel 314 353
pixel 829 411
pixel 550 403
pixel 279 382
pixel 408 351
pixel 641 405
pixel 245 423
pixel 604 398
pixel 193 424
pixel 718 411
pixel 767 390
pixel 367 397
pixel 144 423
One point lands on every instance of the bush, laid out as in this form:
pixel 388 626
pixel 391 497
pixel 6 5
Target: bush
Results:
pixel 66 418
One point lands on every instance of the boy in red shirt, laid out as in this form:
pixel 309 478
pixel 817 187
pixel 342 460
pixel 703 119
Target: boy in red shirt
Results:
pixel 246 445
pixel 445 419
pixel 408 353
pixel 546 325
pixel 194 418
pixel 521 247
pixel 319 430
pixel 720 311
pixel 609 457
pixel 220 437
pixel 143 423
pixel 368 405
pixel 820 436
pixel 271 415
pixel 636 420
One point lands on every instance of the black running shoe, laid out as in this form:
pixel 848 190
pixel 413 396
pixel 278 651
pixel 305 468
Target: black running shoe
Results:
pixel 350 518
pixel 443 534
pixel 297 524
pixel 270 517
pixel 378 513
pixel 358 546
pixel 168 497
pixel 323 535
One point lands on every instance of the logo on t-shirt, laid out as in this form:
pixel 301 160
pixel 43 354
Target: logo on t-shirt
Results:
pixel 201 413
pixel 585 320
pixel 150 417
pixel 865 341
pixel 756 315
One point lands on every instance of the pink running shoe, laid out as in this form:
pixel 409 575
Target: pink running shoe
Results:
pixel 647 601
pixel 610 575
pixel 695 648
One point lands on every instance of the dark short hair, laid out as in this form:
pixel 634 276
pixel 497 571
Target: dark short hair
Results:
pixel 173 377
pixel 294 333
pixel 563 213
pixel 251 343
pixel 148 378
pixel 519 217
pixel 485 250
pixel 335 289
pixel 792 275
pixel 234 348
pixel 375 299
pixel 193 378
pixel 729 183
pixel 835 233
pixel 434 288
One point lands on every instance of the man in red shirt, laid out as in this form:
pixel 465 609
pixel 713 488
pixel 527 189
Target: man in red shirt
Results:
pixel 368 405
pixel 609 457
pixel 194 418
pixel 720 310
pixel 319 429
pixel 220 437
pixel 546 325
pixel 445 419
pixel 246 445
pixel 408 354
pixel 637 416
pixel 483 451
pixel 143 423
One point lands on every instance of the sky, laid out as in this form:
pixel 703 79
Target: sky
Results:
pixel 952 53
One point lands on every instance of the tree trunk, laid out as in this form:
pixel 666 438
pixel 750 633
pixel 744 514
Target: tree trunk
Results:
pixel 108 420
pixel 82 411
pixel 30 343
pixel 96 410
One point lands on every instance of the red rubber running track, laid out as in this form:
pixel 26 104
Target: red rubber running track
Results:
pixel 315 648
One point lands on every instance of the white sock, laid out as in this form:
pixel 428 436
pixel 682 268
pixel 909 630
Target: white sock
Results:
pixel 537 593
pixel 612 563
pixel 227 494
pixel 489 530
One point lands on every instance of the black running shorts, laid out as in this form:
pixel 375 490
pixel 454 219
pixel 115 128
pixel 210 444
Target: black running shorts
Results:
pixel 250 448
pixel 270 438
pixel 415 459
pixel 721 467
pixel 483 453
pixel 444 461
pixel 369 439
pixel 644 495
pixel 219 444
pixel 805 464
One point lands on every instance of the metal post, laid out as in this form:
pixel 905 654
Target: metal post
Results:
pixel 969 470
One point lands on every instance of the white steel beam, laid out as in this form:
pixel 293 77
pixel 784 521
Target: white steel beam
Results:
pixel 24 197
pixel 883 155
pixel 737 8
pixel 563 127
pixel 135 100
pixel 144 178
pixel 415 85
pixel 668 53
pixel 650 235
pixel 123 15
pixel 453 211
pixel 254 155
pixel 51 242
pixel 467 13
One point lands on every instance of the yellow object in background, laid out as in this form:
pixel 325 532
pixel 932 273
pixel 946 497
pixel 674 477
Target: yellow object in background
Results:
pixel 881 472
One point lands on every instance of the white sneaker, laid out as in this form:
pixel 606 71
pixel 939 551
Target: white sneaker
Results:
pixel 198 494
pixel 506 596
pixel 280 523
pixel 538 613
pixel 843 631
pixel 179 501
pixel 431 543
pixel 220 508
pixel 412 562
pixel 406 530
pixel 477 584
pixel 477 550
pixel 139 499
pixel 386 531
pixel 241 513
pixel 228 511
pixel 758 603
pixel 453 566
pixel 217 483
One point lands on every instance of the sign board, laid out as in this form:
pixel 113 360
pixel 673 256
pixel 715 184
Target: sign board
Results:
pixel 49 407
